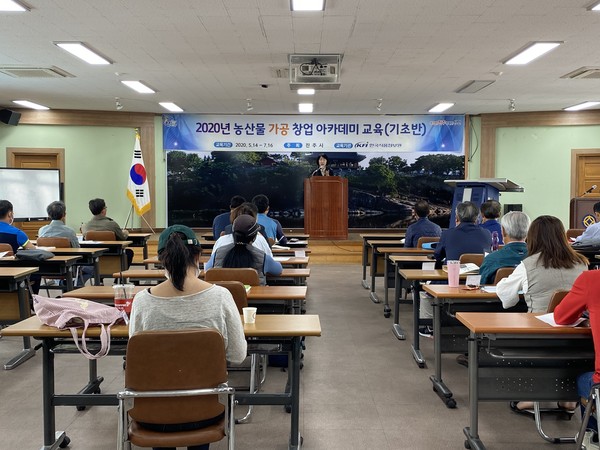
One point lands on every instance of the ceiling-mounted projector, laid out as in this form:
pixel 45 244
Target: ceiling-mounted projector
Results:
pixel 315 71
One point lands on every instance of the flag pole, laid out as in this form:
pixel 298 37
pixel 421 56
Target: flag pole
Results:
pixel 128 216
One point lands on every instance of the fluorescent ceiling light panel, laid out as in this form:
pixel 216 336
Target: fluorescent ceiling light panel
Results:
pixel 83 52
pixel 12 6
pixel 531 52
pixel 171 107
pixel 305 107
pixel 306 91
pixel 307 5
pixel 584 105
pixel 473 86
pixel 28 104
pixel 441 107
pixel 594 7
pixel 139 87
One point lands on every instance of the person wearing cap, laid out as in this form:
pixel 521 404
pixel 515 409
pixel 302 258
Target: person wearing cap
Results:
pixel 223 220
pixel 241 252
pixel 261 238
pixel 185 301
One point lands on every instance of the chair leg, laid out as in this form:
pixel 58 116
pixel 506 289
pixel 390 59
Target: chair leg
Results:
pixel 538 425
pixel 593 400
pixel 253 376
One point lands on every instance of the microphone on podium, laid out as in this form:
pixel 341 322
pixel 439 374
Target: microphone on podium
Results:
pixel 592 187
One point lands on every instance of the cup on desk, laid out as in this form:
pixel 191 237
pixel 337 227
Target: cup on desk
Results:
pixel 123 297
pixel 249 314
pixel 453 273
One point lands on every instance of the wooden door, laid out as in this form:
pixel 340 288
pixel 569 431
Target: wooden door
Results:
pixel 587 173
pixel 37 158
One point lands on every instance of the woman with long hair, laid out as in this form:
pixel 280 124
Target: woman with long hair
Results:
pixel 185 301
pixel 241 253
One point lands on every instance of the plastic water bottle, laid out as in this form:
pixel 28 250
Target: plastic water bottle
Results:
pixel 495 241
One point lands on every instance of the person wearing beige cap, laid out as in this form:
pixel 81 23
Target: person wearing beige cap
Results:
pixel 241 252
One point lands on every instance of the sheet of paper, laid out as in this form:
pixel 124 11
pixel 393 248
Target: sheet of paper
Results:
pixel 299 253
pixel 491 289
pixel 428 266
pixel 549 319
pixel 473 280
pixel 2 254
pixel 281 258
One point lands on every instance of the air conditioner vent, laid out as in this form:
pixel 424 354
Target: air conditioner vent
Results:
pixel 587 73
pixel 35 72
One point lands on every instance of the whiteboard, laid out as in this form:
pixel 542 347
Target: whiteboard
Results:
pixel 30 190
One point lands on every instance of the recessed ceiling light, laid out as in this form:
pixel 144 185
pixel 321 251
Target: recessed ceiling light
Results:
pixel 594 7
pixel 83 52
pixel 12 6
pixel 584 105
pixel 28 104
pixel 307 5
pixel 531 51
pixel 305 107
pixel 139 87
pixel 441 107
pixel 306 91
pixel 171 107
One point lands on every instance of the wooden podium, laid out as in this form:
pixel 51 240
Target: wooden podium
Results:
pixel 579 208
pixel 326 207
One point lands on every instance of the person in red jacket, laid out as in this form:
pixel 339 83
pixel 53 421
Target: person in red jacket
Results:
pixel 584 296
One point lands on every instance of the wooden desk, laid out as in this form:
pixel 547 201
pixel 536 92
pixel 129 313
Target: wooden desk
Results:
pixel 114 259
pixel 376 271
pixel 366 254
pixel 140 240
pixel 89 257
pixel 416 276
pixel 57 266
pixel 286 261
pixel 515 355
pixel 287 330
pixel 445 295
pixel 14 306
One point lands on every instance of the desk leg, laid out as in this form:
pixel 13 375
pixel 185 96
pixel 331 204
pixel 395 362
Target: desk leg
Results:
pixel 438 385
pixel 69 278
pixel 396 328
pixel 364 264
pixel 27 352
pixel 416 351
pixel 52 439
pixel 295 439
pixel 97 281
pixel 145 250
pixel 372 294
pixel 472 432
pixel 386 304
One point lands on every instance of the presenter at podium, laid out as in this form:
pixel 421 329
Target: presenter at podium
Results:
pixel 323 170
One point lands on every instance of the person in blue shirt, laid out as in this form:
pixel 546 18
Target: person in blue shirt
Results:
pixel 10 234
pixel 490 212
pixel 222 220
pixel 591 235
pixel 515 225
pixel 272 227
pixel 422 227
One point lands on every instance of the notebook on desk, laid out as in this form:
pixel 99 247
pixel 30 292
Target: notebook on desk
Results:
pixel 465 268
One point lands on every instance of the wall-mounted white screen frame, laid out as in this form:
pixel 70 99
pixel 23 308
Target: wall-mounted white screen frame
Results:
pixel 30 190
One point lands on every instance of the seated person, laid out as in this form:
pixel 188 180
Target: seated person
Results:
pixel 272 227
pixel 422 227
pixel 227 238
pixel 241 253
pixel 185 301
pixel 222 220
pixel 551 265
pixel 102 223
pixel 591 235
pixel 57 211
pixel 466 237
pixel 15 237
pixel 490 212
pixel 514 230
pixel 584 295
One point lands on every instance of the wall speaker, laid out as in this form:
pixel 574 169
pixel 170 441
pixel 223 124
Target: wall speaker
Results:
pixel 513 207
pixel 9 117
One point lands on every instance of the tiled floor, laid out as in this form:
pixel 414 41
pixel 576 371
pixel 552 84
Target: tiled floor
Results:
pixel 360 389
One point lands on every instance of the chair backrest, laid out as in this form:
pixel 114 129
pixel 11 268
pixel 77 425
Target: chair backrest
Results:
pixel 6 248
pixel 58 242
pixel 244 275
pixel 10 239
pixel 238 292
pixel 426 239
pixel 574 232
pixel 100 236
pixel 503 272
pixel 174 360
pixel 556 299
pixel 475 258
